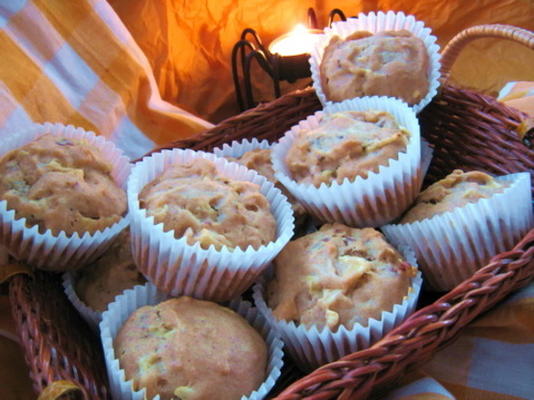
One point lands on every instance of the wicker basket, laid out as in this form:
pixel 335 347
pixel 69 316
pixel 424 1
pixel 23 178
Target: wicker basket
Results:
pixel 467 129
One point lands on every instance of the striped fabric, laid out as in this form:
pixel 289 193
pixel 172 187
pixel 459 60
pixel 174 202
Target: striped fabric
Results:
pixel 74 62
pixel 493 359
pixel 519 95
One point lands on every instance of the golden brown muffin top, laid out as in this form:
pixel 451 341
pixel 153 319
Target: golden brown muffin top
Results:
pixel 114 272
pixel 260 161
pixel 338 276
pixel 455 190
pixel 205 206
pixel 345 145
pixel 192 350
pixel 61 184
pixel 389 63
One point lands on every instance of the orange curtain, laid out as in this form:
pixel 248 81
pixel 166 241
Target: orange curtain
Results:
pixel 189 43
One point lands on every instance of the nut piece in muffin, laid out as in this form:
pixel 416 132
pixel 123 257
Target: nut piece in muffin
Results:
pixel 191 349
pixel 389 63
pixel 61 184
pixel 455 190
pixel 97 284
pixel 205 206
pixel 260 161
pixel 338 276
pixel 345 145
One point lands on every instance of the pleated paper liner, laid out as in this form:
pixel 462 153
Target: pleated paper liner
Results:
pixel 378 22
pixel 236 149
pixel 59 252
pixel 132 299
pixel 451 246
pixel 91 316
pixel 179 268
pixel 311 347
pixel 370 202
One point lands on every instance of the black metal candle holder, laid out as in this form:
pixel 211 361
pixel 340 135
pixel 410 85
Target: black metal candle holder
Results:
pixel 279 68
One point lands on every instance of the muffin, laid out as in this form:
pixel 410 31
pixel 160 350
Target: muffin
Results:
pixel 455 190
pixel 460 222
pixel 97 284
pixel 387 63
pixel 345 145
pixel 202 226
pixel 259 159
pixel 62 184
pixel 191 349
pixel 389 54
pixel 337 291
pixel 61 196
pixel 199 203
pixel 338 276
pixel 358 162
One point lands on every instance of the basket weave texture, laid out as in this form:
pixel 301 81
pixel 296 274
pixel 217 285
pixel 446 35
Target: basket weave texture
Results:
pixel 58 344
pixel 467 130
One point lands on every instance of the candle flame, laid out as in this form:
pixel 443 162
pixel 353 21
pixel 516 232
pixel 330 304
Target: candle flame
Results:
pixel 299 41
pixel 299 29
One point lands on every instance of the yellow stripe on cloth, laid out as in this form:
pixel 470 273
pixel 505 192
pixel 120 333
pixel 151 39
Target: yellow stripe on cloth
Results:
pixel 74 62
pixel 45 41
pixel 511 322
pixel 494 355
pixel 119 69
pixel 26 82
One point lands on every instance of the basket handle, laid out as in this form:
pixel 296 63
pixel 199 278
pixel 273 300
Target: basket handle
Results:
pixel 457 43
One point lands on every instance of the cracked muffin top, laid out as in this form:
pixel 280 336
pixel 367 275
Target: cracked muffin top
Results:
pixel 345 145
pixel 61 184
pixel 203 205
pixel 389 63
pixel 338 276
pixel 455 190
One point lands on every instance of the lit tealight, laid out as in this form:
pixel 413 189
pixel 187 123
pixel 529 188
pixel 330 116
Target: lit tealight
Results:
pixel 299 41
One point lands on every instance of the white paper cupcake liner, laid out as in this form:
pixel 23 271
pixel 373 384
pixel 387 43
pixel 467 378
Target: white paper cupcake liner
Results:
pixel 374 23
pixel 370 202
pixel 311 347
pixel 179 268
pixel 59 252
pixel 132 299
pixel 452 246
pixel 90 315
pixel 238 148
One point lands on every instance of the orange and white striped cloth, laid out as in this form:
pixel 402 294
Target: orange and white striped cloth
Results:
pixel 74 62
pixel 519 95
pixel 493 359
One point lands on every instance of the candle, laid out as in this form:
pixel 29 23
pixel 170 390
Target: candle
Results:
pixel 299 41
